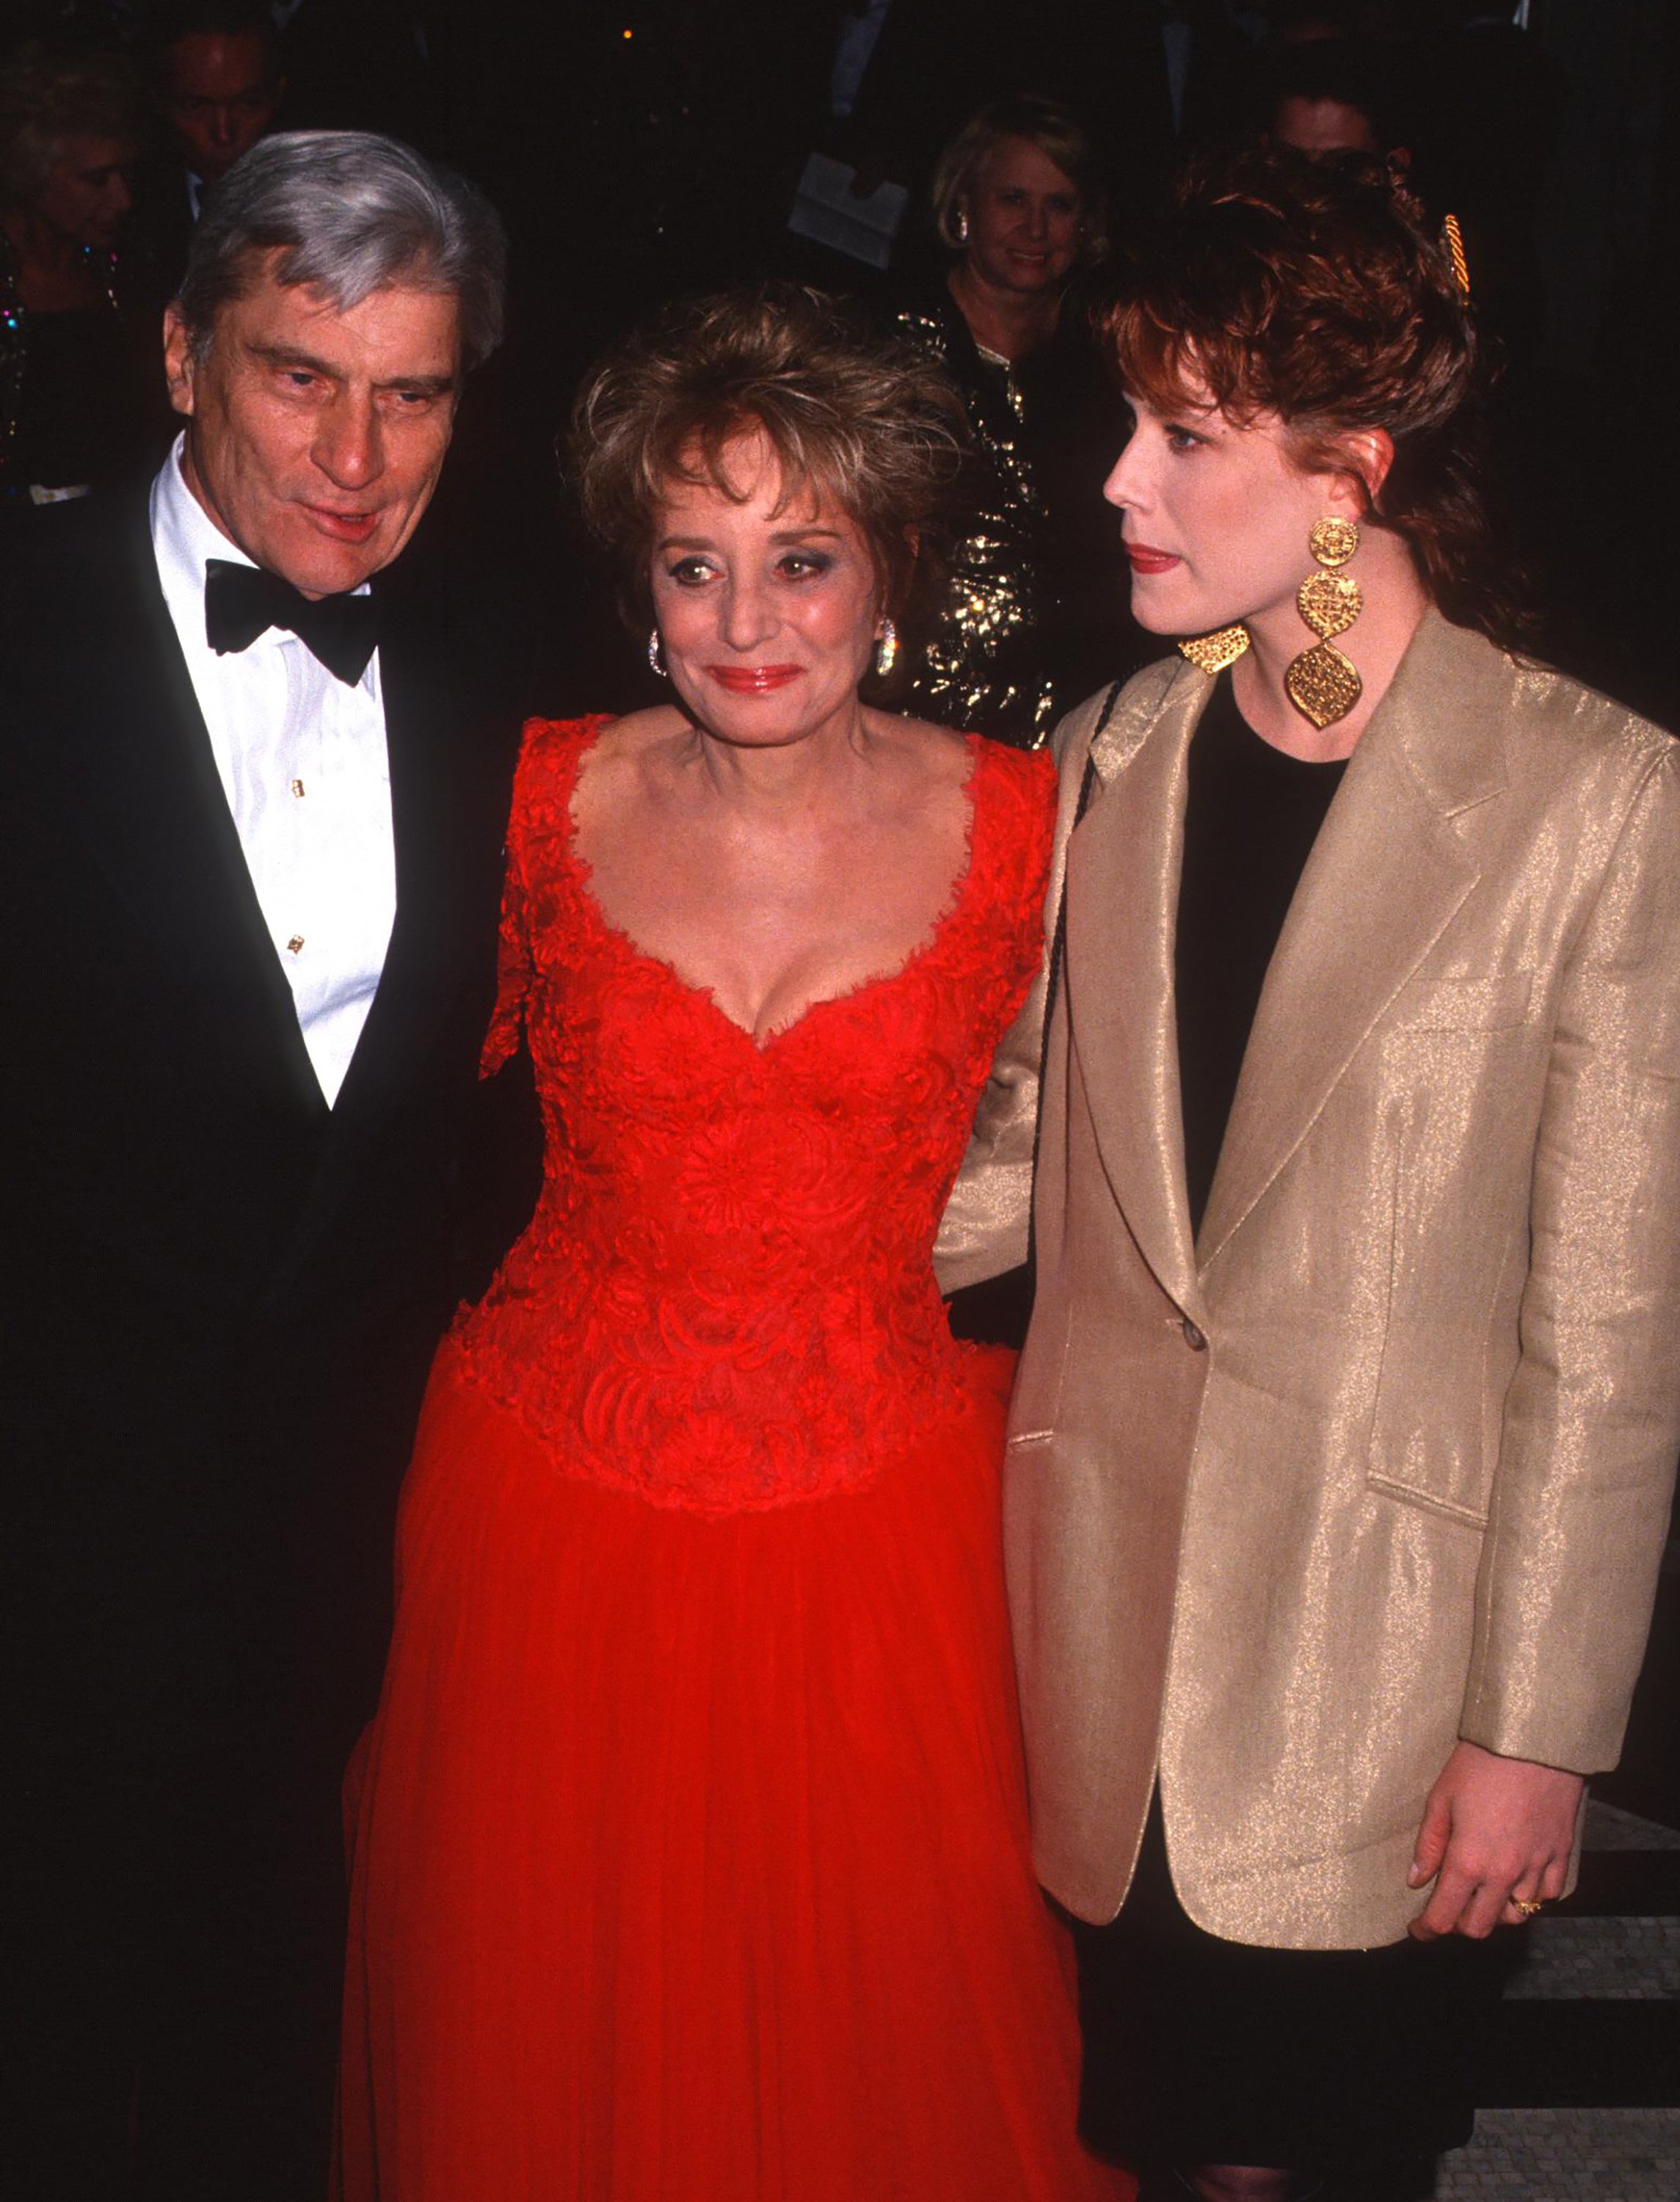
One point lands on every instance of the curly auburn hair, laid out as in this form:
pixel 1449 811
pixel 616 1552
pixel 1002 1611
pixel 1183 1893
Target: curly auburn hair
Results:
pixel 858 420
pixel 1313 291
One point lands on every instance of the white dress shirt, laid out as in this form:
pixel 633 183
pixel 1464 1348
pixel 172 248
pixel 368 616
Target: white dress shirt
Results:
pixel 303 766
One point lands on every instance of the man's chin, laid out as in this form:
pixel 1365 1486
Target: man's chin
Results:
pixel 319 567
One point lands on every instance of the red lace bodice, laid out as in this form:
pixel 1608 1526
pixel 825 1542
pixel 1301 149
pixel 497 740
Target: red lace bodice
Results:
pixel 726 1299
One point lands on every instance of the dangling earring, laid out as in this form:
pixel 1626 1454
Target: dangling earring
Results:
pixel 1214 652
pixel 886 649
pixel 962 228
pixel 653 656
pixel 1323 685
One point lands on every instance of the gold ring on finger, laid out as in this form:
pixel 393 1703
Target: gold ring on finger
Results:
pixel 1528 1905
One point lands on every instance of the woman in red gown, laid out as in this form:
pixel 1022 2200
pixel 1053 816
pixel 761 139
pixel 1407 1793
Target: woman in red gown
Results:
pixel 690 1850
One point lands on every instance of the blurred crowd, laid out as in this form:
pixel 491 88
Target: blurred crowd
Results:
pixel 964 170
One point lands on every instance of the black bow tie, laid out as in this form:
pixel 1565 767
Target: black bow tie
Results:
pixel 241 602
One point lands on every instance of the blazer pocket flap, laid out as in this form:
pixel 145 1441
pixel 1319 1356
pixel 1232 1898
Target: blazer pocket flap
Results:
pixel 1496 1003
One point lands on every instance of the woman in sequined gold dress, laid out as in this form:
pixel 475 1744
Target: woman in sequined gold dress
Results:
pixel 691 1860
pixel 1036 615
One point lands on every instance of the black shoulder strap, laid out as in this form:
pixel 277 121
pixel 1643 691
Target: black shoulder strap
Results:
pixel 1052 980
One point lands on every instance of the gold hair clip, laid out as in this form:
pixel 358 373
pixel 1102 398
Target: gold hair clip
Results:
pixel 1453 238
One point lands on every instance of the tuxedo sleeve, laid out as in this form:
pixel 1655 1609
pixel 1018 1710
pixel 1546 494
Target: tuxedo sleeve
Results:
pixel 1591 1420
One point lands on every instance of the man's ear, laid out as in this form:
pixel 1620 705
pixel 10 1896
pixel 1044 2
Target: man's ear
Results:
pixel 178 364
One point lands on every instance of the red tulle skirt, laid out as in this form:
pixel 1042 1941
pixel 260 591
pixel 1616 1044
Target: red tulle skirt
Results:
pixel 690 1851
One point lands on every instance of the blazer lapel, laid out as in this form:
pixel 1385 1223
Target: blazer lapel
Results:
pixel 1389 872
pixel 419 705
pixel 1123 862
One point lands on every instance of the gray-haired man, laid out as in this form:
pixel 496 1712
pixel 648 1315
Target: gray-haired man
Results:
pixel 256 781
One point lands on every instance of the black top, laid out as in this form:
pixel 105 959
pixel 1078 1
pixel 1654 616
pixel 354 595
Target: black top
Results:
pixel 1036 615
pixel 1251 817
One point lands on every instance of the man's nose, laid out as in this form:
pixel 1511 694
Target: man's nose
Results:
pixel 349 445
pixel 221 124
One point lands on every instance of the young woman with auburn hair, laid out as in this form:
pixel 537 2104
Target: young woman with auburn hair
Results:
pixel 1344 1435
pixel 1307 300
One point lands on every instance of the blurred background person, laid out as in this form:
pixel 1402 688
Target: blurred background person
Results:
pixel 1034 614
pixel 220 85
pixel 80 404
pixel 217 84
pixel 1335 96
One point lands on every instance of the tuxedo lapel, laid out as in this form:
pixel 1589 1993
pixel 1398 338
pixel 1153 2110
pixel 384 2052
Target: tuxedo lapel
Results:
pixel 449 739
pixel 1123 862
pixel 422 738
pixel 161 827
pixel 1388 873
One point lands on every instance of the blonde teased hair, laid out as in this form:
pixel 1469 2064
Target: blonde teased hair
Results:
pixel 1058 135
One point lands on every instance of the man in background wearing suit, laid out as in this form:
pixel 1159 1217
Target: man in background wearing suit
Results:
pixel 217 82
pixel 257 755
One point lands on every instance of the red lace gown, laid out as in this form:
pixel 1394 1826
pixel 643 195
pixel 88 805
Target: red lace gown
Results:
pixel 691 1859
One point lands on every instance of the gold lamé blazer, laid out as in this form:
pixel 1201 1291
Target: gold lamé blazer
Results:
pixel 1383 1459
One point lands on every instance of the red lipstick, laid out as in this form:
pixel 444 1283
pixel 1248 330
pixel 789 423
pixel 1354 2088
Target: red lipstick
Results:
pixel 754 680
pixel 1147 559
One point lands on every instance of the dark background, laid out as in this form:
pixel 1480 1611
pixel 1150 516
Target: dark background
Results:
pixel 644 149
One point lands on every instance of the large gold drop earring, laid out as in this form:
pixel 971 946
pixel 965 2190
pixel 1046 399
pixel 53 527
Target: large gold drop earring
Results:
pixel 1323 685
pixel 1214 652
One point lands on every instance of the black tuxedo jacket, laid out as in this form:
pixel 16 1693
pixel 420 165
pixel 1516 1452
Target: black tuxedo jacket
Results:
pixel 224 1295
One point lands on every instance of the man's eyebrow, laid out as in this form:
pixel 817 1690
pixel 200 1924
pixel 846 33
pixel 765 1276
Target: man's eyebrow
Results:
pixel 287 356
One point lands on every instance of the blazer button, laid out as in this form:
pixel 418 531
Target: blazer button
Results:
pixel 1194 1336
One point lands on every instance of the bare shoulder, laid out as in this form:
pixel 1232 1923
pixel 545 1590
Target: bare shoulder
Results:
pixel 639 735
pixel 918 753
pixel 626 755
